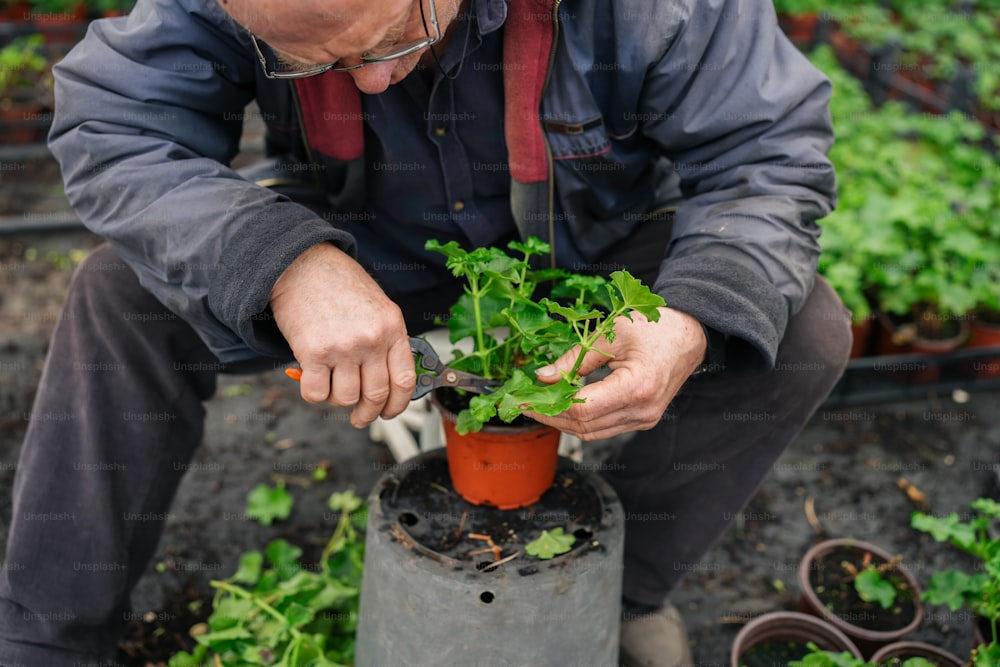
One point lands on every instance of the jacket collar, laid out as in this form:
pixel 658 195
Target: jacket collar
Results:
pixel 331 103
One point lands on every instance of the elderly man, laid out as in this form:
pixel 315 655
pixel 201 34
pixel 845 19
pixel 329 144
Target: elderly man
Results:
pixel 683 140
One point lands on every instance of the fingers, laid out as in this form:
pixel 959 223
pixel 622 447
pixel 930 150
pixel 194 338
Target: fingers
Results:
pixel 611 407
pixel 385 389
pixel 402 379
pixel 564 364
pixel 314 384
pixel 373 389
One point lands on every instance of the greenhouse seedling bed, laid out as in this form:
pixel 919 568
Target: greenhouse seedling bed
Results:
pixel 886 379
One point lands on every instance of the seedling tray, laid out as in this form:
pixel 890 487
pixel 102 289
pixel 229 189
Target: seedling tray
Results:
pixel 891 378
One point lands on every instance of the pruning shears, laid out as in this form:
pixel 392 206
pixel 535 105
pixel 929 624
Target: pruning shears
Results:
pixel 441 375
pixel 438 373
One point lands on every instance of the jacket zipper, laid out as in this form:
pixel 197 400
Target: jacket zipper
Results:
pixel 305 136
pixel 548 147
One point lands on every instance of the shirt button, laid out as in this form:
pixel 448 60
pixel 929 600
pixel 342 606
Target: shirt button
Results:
pixel 440 131
pixel 459 205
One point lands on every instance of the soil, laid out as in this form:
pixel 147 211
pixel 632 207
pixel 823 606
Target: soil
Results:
pixel 834 585
pixel 436 517
pixel 839 478
pixel 901 656
pixel 773 654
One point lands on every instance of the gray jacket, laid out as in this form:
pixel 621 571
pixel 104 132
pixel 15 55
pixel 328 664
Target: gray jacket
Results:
pixel 698 106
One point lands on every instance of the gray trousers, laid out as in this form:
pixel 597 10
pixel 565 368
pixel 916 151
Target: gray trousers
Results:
pixel 94 457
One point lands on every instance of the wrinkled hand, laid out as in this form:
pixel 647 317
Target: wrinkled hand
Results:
pixel 651 362
pixel 347 335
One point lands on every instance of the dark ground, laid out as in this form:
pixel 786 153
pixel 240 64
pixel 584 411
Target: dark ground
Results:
pixel 846 463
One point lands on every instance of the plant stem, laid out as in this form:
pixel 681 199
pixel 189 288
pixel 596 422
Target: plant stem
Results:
pixel 246 595
pixel 477 312
pixel 587 344
pixel 338 534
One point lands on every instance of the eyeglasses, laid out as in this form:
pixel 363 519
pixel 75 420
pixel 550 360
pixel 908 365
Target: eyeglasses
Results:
pixel 275 69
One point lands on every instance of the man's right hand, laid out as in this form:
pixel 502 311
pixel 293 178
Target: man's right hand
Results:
pixel 347 335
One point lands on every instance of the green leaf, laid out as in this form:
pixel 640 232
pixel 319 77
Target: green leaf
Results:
pixel 873 587
pixel 986 655
pixel 571 313
pixel 518 395
pixel 632 294
pixel 817 657
pixel 344 501
pixel 238 632
pixel 951 588
pixel 333 593
pixel 229 612
pixel 282 554
pixel 194 659
pixel 918 662
pixel 550 544
pixel 265 504
pixel 472 419
pixel 298 615
pixel 248 571
pixel 947 529
pixel 550 399
pixel 987 506
pixel 531 246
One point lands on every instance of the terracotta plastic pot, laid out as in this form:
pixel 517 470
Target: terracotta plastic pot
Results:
pixel 790 626
pixel 893 336
pixel 501 466
pixel 921 345
pixel 868 641
pixel 904 650
pixel 861 335
pixel 982 632
pixel 986 334
pixel 800 28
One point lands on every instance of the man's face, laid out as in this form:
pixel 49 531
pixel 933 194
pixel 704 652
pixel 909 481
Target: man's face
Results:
pixel 317 32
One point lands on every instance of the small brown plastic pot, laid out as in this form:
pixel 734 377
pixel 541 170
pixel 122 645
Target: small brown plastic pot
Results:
pixel 790 626
pixel 982 631
pixel 984 333
pixel 867 640
pixel 904 650
pixel 502 466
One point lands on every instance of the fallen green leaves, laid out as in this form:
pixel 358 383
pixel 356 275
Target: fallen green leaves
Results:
pixel 550 544
pixel 265 503
pixel 275 611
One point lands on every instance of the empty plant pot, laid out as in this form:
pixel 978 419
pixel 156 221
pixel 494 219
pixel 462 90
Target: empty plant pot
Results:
pixel 502 466
pixel 782 636
pixel 447 583
pixel 828 591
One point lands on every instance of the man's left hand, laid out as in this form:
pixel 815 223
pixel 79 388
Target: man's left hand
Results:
pixel 651 362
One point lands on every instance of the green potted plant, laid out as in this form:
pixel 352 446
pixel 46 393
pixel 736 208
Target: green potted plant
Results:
pixel 818 657
pixel 916 215
pixel 108 8
pixel 979 592
pixel 514 332
pixel 14 11
pixel 901 654
pixel 861 590
pixel 23 77
pixel 799 19
pixel 779 637
pixel 59 21
pixel 984 330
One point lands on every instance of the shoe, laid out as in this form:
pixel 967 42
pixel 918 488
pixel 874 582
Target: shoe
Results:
pixel 654 638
